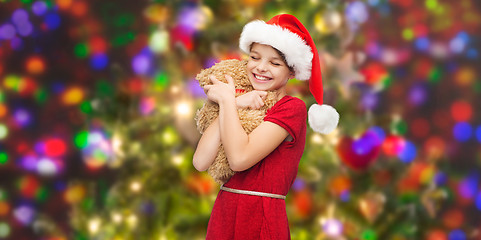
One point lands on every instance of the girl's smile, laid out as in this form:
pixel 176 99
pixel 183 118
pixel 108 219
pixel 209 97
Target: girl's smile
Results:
pixel 267 69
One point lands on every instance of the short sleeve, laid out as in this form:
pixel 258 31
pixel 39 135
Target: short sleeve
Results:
pixel 290 113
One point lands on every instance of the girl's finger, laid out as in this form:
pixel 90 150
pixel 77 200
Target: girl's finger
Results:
pixel 230 80
pixel 213 79
pixel 262 94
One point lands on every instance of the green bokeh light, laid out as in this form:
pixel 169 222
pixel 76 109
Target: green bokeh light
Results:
pixel 3 195
pixel 3 157
pixel 81 139
pixel 431 4
pixel 104 88
pixel 81 50
pixel 123 39
pixel 161 81
pixel 435 75
pixel 400 127
pixel 408 34
pixel 86 107
pixel 41 95
pixel 41 195
pixel 368 235
pixel 124 20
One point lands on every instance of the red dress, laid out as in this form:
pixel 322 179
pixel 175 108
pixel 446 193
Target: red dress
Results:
pixel 244 217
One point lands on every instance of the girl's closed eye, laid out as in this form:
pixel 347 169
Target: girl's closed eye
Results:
pixel 254 58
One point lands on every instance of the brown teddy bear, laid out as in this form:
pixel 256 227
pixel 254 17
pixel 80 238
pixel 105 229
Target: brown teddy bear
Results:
pixel 249 118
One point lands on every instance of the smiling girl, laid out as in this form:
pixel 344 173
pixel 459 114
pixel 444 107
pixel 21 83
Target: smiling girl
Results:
pixel 251 204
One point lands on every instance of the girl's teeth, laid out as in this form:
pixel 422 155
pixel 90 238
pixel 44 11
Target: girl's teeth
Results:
pixel 261 78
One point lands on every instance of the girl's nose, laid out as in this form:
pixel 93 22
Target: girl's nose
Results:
pixel 262 67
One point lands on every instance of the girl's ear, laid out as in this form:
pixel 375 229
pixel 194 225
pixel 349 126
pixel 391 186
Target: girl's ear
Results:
pixel 292 75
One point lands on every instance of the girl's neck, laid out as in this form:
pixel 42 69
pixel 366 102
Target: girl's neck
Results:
pixel 282 93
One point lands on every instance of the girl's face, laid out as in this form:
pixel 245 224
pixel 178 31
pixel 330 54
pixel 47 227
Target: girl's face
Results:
pixel 266 68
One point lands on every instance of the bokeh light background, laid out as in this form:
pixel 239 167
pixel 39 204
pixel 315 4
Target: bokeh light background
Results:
pixel 70 68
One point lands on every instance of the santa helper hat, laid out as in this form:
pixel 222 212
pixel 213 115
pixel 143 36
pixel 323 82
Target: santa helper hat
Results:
pixel 287 34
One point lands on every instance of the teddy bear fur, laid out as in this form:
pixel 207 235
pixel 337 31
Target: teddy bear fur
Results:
pixel 249 118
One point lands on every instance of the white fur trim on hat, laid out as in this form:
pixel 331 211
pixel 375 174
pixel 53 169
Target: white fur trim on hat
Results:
pixel 298 54
pixel 323 118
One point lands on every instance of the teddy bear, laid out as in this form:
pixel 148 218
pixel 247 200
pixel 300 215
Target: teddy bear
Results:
pixel 249 118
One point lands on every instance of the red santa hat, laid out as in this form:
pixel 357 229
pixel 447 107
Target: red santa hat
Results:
pixel 286 33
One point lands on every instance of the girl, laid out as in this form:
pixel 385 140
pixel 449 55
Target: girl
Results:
pixel 251 204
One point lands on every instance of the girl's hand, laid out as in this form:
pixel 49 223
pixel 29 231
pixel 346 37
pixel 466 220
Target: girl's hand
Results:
pixel 253 99
pixel 219 91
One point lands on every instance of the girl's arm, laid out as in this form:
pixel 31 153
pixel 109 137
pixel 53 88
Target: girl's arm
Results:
pixel 242 150
pixel 209 143
pixel 207 147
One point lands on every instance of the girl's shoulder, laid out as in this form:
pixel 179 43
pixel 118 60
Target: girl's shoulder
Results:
pixel 289 105
pixel 291 102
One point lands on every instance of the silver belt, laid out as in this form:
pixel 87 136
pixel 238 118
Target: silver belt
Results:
pixel 261 194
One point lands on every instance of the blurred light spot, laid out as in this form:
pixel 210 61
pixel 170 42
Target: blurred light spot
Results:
pixel 332 227
pixel 81 139
pixel 55 147
pixel 63 4
pixel 159 41
pixel 74 193
pixel 3 158
pixel 81 50
pixel 393 145
pixel 417 94
pixel 465 76
pixel 467 187
pixel 457 234
pixel 478 201
pixel 46 167
pixel 4 230
pixel 408 154
pixel 99 61
pixel 472 53
pixel 19 16
pixel 98 150
pixel 35 65
pixel 98 45
pixel 7 31
pixel 79 8
pixel 408 34
pixel 369 100
pixel 478 133
pixel 39 8
pixel 28 162
pixel 3 131
pixel 22 117
pixel 357 12
pixel 461 111
pixel 147 105
pixel 436 235
pixel 183 109
pixel 142 63
pixel 52 21
pixel 73 96
pixel 24 214
pixel 462 131
pixel 161 81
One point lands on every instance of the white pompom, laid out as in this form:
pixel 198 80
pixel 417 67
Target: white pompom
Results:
pixel 323 118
